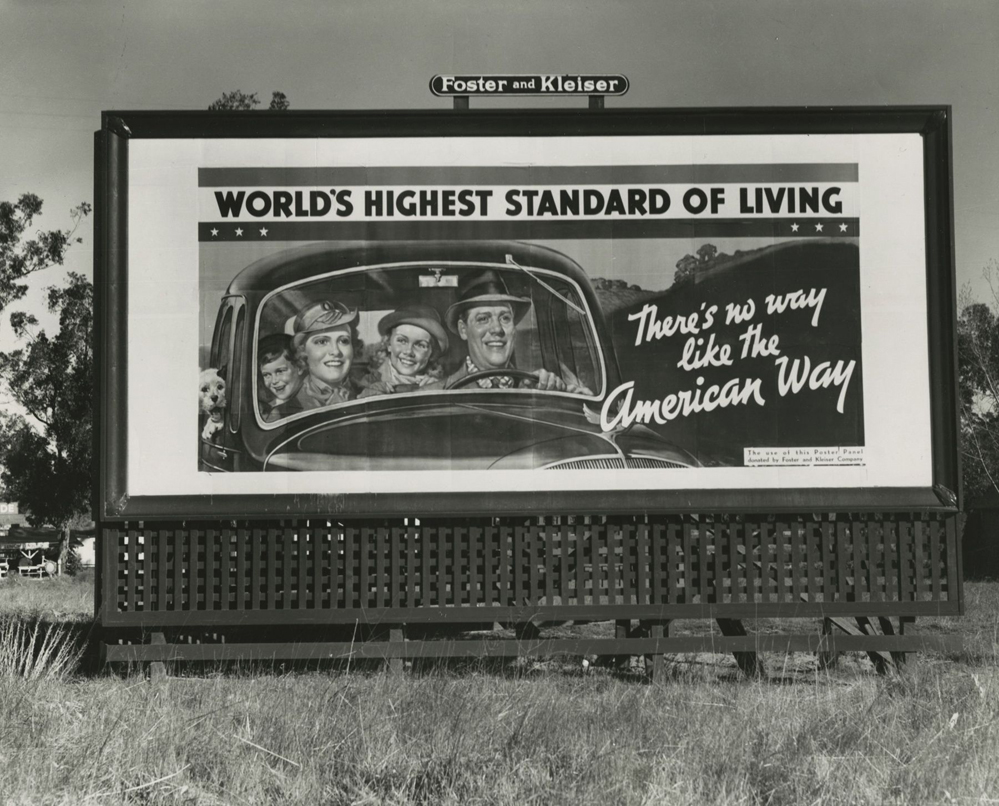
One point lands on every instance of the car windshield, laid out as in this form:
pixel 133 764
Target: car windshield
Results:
pixel 430 328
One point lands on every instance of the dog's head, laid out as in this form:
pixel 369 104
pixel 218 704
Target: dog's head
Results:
pixel 211 393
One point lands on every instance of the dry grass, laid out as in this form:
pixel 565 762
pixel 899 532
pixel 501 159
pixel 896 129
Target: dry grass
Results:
pixel 542 734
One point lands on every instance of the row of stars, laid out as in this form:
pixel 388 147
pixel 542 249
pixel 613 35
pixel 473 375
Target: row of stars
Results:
pixel 818 227
pixel 239 232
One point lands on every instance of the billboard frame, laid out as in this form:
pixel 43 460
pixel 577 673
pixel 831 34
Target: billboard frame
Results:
pixel 114 502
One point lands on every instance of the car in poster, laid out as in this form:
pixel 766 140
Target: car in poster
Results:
pixel 454 426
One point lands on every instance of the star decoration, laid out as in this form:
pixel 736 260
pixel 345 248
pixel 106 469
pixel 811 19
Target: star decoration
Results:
pixel 794 228
pixel 842 227
pixel 818 228
pixel 239 232
pixel 263 232
pixel 214 232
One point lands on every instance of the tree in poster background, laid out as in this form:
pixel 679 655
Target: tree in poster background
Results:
pixel 775 332
pixel 46 451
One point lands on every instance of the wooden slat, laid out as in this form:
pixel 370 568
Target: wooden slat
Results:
pixel 893 559
pixel 429 592
pixel 193 572
pixel 364 560
pixel 209 575
pixel 918 559
pixel 287 562
pixel 630 571
pixel 149 538
pixel 935 560
pixel 163 537
pixel 611 563
pixel 717 589
pixel 906 567
pixel 458 541
pixel 691 577
pixel 270 569
pixel 950 539
pixel 596 563
pixel 780 530
pixel 548 557
pixel 225 568
pixel 412 576
pixel 644 563
pixel 735 537
pixel 796 558
pixel 752 569
pixel 381 548
pixel 131 566
pixel 659 552
pixel 444 595
pixel 876 560
pixel 322 564
pixel 841 590
pixel 505 562
pixel 475 560
pixel 256 571
pixel 861 581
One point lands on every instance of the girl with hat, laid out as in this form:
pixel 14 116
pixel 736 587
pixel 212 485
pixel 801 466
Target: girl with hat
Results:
pixel 413 342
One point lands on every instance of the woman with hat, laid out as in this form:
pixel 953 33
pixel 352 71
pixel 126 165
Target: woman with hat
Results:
pixel 413 342
pixel 325 337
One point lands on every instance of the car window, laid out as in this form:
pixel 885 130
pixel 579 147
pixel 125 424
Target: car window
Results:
pixel 237 370
pixel 318 342
pixel 220 344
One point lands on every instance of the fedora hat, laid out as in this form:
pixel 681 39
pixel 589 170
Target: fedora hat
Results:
pixel 421 316
pixel 483 288
pixel 318 317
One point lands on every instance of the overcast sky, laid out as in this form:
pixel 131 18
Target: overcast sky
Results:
pixel 63 61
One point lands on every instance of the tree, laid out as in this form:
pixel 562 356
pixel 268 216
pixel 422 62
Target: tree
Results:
pixel 685 268
pixel 706 253
pixel 46 453
pixel 239 100
pixel 978 386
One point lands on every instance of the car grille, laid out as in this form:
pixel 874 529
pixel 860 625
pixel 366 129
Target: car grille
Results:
pixel 614 463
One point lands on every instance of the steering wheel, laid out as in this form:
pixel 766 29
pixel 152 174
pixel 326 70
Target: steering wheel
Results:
pixel 519 376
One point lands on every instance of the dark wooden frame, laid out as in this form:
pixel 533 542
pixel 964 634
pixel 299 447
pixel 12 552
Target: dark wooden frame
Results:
pixel 114 503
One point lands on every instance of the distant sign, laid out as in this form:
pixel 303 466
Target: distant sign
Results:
pixel 539 84
pixel 8 508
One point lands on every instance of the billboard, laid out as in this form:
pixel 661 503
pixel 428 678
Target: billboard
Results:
pixel 473 317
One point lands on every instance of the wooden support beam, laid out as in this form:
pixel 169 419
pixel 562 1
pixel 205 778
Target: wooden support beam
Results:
pixel 157 669
pixel 748 662
pixel 396 636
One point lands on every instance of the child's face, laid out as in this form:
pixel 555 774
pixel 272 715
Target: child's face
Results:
pixel 281 378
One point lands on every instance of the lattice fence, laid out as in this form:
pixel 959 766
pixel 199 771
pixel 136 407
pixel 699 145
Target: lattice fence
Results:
pixel 739 566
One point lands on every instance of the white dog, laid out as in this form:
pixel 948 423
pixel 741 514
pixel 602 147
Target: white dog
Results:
pixel 211 402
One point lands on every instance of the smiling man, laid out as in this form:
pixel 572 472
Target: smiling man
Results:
pixel 485 317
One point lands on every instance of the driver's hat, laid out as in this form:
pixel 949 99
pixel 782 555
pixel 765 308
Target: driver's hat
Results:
pixel 477 289
pixel 318 318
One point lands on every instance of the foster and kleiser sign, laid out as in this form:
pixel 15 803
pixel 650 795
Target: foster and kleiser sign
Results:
pixel 533 84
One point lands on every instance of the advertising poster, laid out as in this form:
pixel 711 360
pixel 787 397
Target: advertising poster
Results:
pixel 471 314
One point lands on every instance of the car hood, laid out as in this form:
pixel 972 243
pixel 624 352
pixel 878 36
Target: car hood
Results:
pixel 467 435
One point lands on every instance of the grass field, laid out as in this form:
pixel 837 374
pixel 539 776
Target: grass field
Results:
pixel 541 733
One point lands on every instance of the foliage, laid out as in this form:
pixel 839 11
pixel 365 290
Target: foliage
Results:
pixel 239 100
pixel 978 383
pixel 19 257
pixel 46 456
